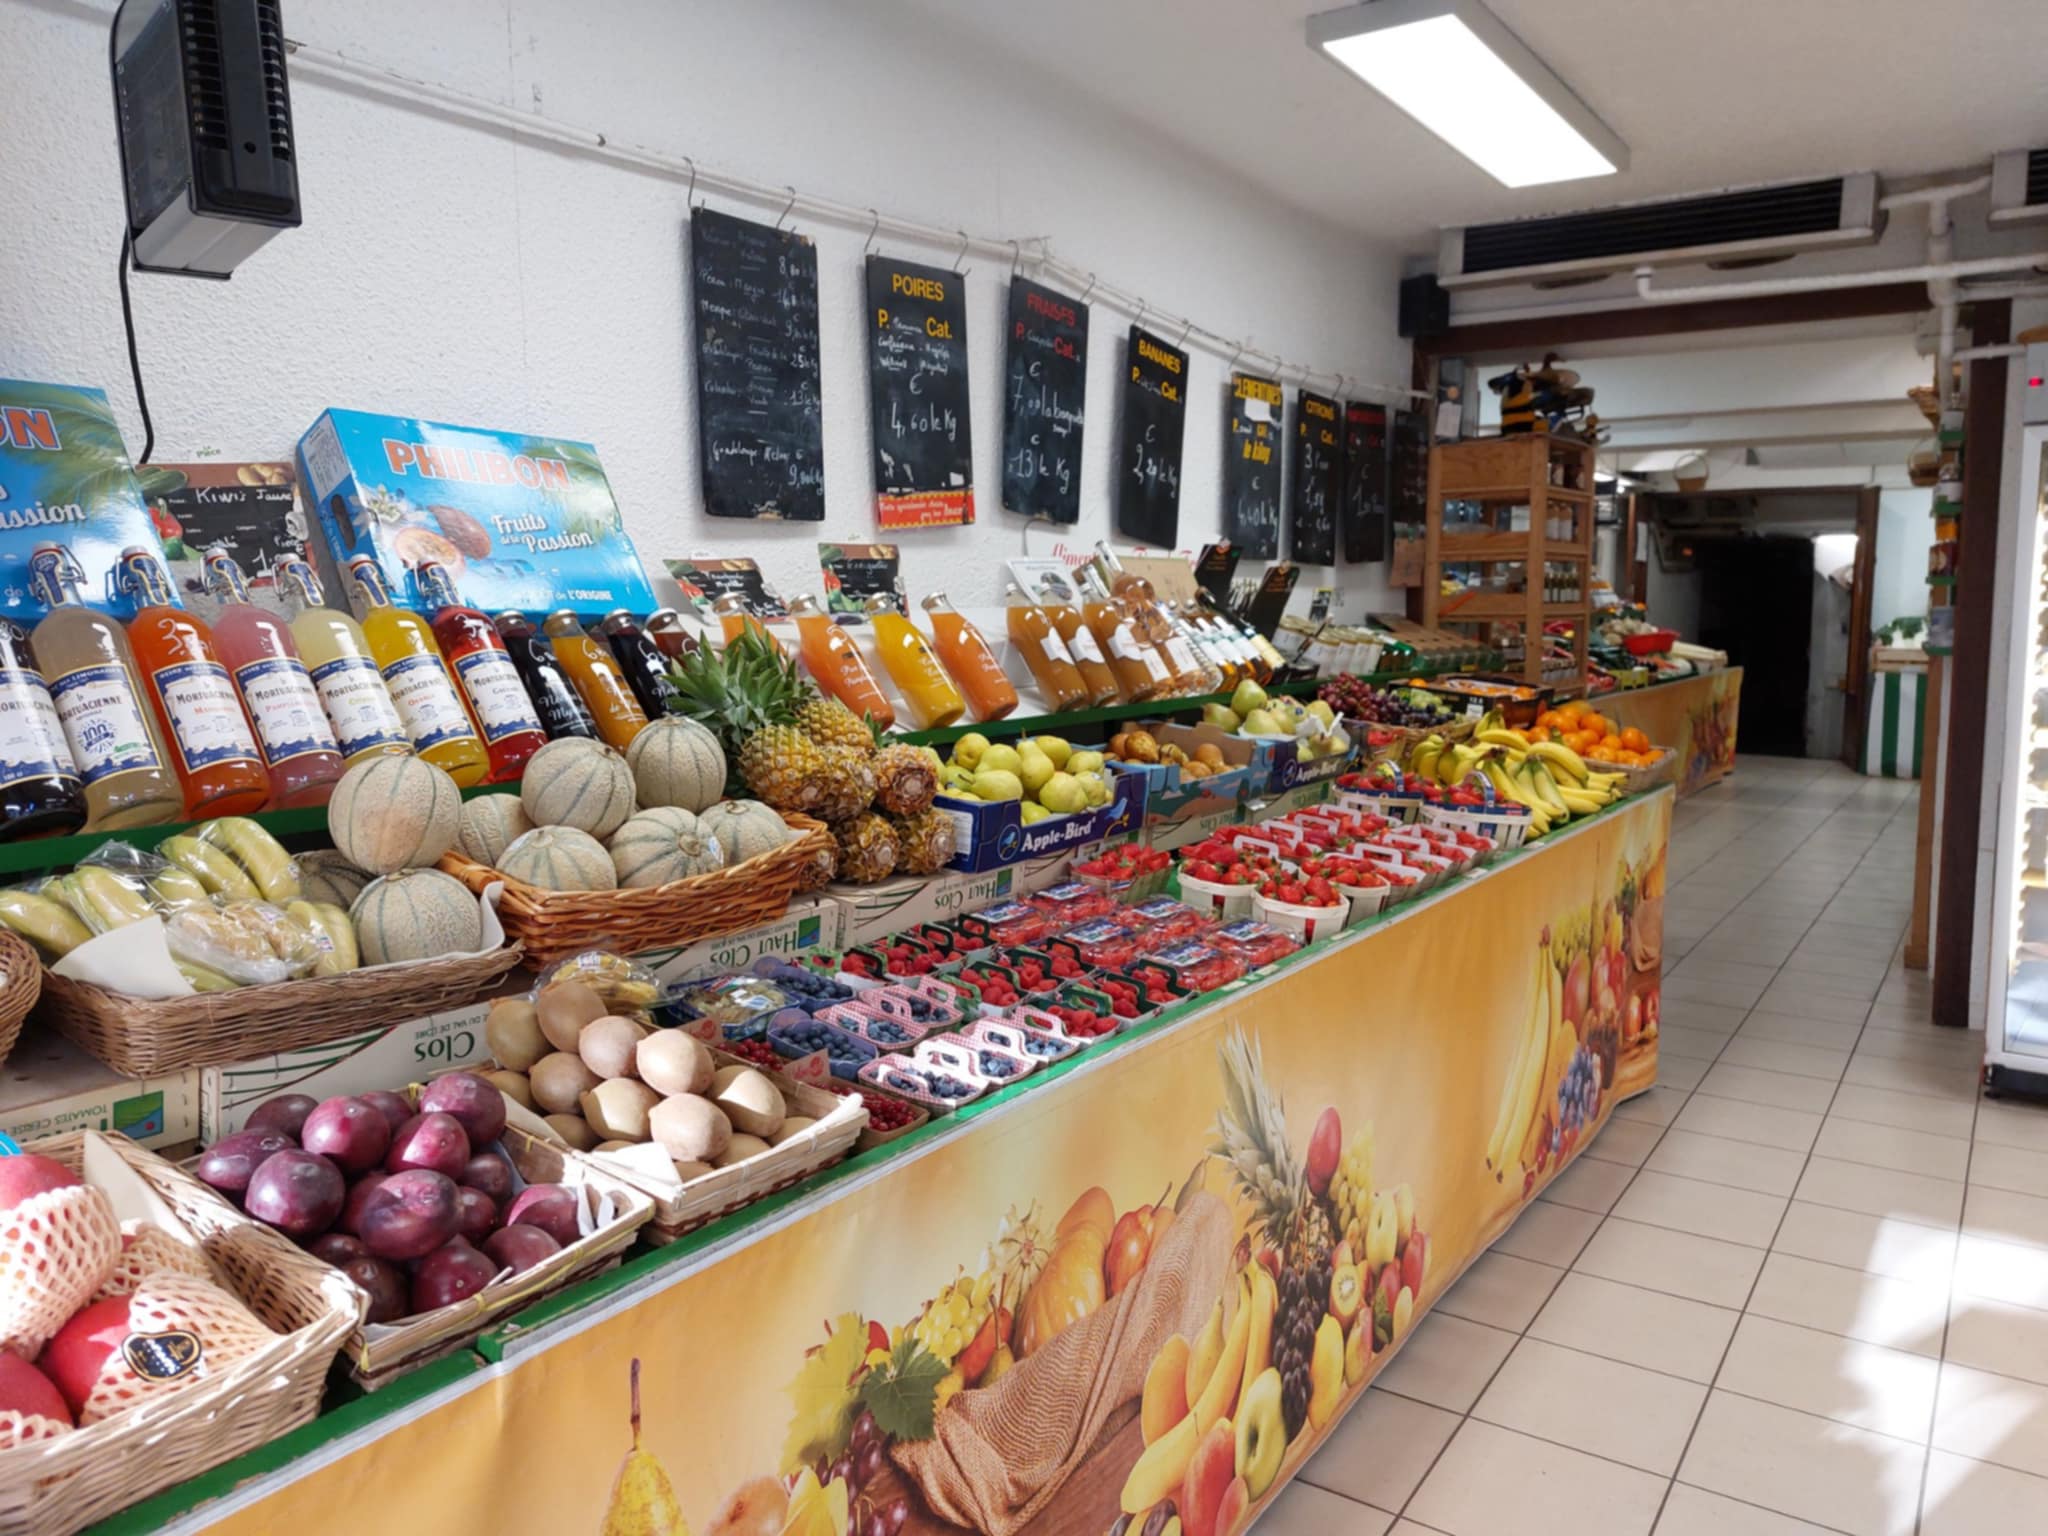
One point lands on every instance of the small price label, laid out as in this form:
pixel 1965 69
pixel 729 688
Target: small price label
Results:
pixel 707 1030
pixel 814 1069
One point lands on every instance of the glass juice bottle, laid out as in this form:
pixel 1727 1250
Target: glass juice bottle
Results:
pixel 403 648
pixel 907 657
pixel 734 619
pixel 616 713
pixel 337 657
pixel 292 731
pixel 98 693
pixel 490 684
pixel 1219 667
pixel 555 698
pixel 1096 673
pixel 41 794
pixel 1141 672
pixel 666 629
pixel 213 746
pixel 642 661
pixel 1153 625
pixel 836 664
pixel 968 657
pixel 1044 652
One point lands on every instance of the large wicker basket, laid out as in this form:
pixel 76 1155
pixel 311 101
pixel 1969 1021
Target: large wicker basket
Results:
pixel 141 1038
pixel 53 1486
pixel 554 925
pixel 21 980
pixel 1637 778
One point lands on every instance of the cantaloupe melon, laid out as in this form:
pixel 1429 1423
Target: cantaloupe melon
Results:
pixel 490 824
pixel 394 813
pixel 677 762
pixel 325 875
pixel 745 828
pixel 663 844
pixel 559 859
pixel 576 782
pixel 416 915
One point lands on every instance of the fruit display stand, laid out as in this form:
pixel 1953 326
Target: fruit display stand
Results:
pixel 1160 1270
pixel 1695 716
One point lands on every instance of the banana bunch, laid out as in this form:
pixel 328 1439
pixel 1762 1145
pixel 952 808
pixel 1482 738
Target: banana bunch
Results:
pixel 1548 777
pixel 1542 1054
pixel 1444 762
pixel 233 856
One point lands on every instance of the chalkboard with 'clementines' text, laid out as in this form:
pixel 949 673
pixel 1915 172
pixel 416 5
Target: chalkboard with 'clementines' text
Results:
pixel 1251 465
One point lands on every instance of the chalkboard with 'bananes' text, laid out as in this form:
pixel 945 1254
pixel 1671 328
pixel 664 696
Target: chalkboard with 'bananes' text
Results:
pixel 1045 377
pixel 917 391
pixel 1155 424
pixel 760 419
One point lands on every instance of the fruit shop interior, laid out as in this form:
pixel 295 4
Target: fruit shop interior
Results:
pixel 951 668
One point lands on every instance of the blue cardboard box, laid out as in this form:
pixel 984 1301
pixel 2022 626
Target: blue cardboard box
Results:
pixel 518 521
pixel 65 479
pixel 991 833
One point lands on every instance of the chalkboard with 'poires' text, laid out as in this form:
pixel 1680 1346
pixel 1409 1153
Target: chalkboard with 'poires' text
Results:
pixel 1318 457
pixel 760 418
pixel 1364 516
pixel 1251 465
pixel 917 392
pixel 1045 376
pixel 1155 424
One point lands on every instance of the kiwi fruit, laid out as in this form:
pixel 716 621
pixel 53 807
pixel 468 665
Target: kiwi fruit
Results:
pixel 749 1099
pixel 575 1130
pixel 740 1148
pixel 671 1062
pixel 514 1086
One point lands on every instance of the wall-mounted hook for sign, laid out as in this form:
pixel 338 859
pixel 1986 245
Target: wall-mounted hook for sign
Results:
pixel 1092 280
pixel 962 254
pixel 1231 366
pixel 1185 330
pixel 691 192
pixel 1016 257
pixel 1139 323
pixel 786 206
pixel 875 223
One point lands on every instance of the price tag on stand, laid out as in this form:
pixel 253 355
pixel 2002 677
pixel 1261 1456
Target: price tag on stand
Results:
pixel 814 1069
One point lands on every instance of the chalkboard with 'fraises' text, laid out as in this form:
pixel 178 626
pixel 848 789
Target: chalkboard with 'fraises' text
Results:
pixel 1045 377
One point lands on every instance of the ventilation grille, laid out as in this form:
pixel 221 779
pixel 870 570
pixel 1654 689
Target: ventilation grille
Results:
pixel 2037 177
pixel 1758 214
pixel 276 97
pixel 206 94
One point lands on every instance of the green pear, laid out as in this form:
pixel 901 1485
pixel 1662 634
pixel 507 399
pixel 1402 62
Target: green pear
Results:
pixel 968 749
pixel 1055 747
pixel 998 784
pixel 1222 716
pixel 1248 697
pixel 1032 811
pixel 1323 713
pixel 1263 722
pixel 1001 758
pixel 1063 793
pixel 1035 768
pixel 1084 763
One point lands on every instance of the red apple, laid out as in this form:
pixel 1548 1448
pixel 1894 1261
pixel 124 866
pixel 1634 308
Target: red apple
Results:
pixel 74 1358
pixel 359 1196
pixel 476 1213
pixel 1230 1513
pixel 384 1284
pixel 28 1392
pixel 519 1247
pixel 230 1162
pixel 1325 1146
pixel 1415 1262
pixel 1209 1475
pixel 299 1193
pixel 473 1101
pixel 31 1174
pixel 410 1215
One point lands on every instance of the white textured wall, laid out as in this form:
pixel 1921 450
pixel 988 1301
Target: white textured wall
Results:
pixel 448 272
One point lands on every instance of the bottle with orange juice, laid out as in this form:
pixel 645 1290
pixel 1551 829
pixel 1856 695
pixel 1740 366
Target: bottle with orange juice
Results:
pixel 1044 652
pixel 1097 676
pixel 1141 672
pixel 734 618
pixel 836 664
pixel 968 657
pixel 931 695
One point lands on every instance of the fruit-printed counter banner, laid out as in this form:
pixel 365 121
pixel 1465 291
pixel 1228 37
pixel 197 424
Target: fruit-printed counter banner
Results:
pixel 517 521
pixel 1695 717
pixel 65 479
pixel 1150 1289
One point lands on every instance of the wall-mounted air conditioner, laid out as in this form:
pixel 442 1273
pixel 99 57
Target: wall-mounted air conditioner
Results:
pixel 2019 186
pixel 1734 227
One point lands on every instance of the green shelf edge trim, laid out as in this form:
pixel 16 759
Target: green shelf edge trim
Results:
pixel 366 1408
pixel 1941 581
pixel 62 852
pixel 1939 650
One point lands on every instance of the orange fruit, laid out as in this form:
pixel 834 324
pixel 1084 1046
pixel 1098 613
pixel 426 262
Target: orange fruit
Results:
pixel 1596 723
pixel 1635 740
pixel 1611 741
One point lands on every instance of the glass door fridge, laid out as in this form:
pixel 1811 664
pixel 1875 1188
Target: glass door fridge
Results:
pixel 2016 1024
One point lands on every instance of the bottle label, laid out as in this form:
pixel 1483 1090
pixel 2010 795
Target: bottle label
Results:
pixel 561 709
pixel 496 693
pixel 1055 648
pixel 426 701
pixel 286 708
pixel 1084 647
pixel 1182 655
pixel 31 738
pixel 103 721
pixel 207 723
pixel 352 692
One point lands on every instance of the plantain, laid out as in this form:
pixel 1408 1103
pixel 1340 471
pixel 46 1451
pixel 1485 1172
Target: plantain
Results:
pixel 50 925
pixel 175 886
pixel 330 925
pixel 203 978
pixel 102 899
pixel 260 854
pixel 221 875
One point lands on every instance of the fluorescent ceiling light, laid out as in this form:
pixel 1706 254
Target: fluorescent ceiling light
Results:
pixel 1453 67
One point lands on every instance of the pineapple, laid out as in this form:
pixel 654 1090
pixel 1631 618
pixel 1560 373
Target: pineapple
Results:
pixel 831 724
pixel 928 841
pixel 847 784
pixel 867 849
pixel 1251 1132
pixel 785 768
pixel 905 780
pixel 740 693
pixel 820 869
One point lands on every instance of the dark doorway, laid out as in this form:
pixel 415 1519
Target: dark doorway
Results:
pixel 1756 603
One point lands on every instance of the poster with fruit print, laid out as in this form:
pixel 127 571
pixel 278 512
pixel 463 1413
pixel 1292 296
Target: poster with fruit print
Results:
pixel 1131 1301
pixel 1696 718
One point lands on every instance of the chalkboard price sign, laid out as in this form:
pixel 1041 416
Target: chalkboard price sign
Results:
pixel 1364 520
pixel 1044 382
pixel 1251 466
pixel 1318 458
pixel 1155 425
pixel 917 390
pixel 760 422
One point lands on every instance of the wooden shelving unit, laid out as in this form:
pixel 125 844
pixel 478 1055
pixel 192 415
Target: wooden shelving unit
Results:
pixel 1553 478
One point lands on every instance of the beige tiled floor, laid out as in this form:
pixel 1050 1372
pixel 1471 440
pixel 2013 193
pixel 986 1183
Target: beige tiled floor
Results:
pixel 1799 1288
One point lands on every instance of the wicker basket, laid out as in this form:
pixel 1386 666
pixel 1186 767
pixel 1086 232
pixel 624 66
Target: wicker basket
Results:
pixel 1649 775
pixel 553 925
pixel 54 1486
pixel 378 1353
pixel 21 980
pixel 141 1038
pixel 840 1121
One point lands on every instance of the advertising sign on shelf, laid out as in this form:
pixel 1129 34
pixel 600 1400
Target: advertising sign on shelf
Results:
pixel 917 390
pixel 856 572
pixel 253 511
pixel 518 521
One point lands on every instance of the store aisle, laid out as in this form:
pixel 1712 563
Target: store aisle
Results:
pixel 1801 1286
